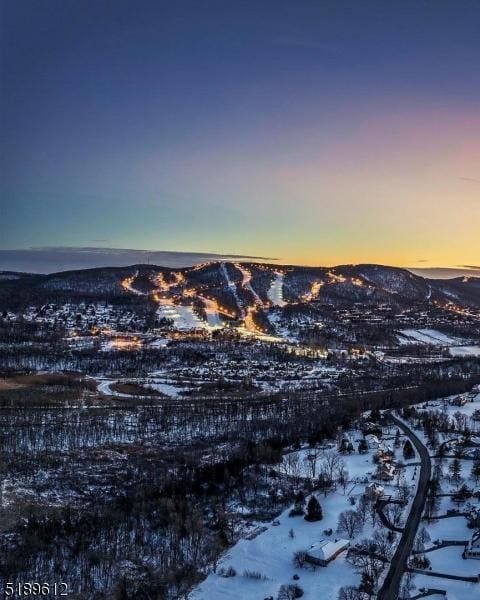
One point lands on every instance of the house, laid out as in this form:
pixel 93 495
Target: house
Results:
pixel 385 453
pixel 372 441
pixel 473 518
pixel 472 550
pixel 370 428
pixel 459 400
pixel 325 551
pixel 384 472
pixel 373 491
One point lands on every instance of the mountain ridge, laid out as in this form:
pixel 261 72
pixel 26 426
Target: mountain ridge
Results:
pixel 251 282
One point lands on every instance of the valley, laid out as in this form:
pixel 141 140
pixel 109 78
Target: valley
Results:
pixel 161 425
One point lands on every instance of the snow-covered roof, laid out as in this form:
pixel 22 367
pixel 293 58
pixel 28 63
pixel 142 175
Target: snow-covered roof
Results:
pixel 376 487
pixel 326 549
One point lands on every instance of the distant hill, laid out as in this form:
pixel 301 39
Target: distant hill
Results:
pixel 239 285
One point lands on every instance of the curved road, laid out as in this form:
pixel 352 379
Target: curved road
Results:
pixel 391 586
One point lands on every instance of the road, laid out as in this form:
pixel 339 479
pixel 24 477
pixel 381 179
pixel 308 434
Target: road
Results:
pixel 391 586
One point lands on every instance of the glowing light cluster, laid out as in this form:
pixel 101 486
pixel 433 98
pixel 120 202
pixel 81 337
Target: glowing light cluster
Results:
pixel 314 291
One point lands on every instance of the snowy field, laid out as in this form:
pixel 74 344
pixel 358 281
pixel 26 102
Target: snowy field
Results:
pixel 461 351
pixel 183 317
pixel 454 528
pixel 437 338
pixel 162 385
pixel 427 336
pixel 213 317
pixel 271 553
pixel 457 590
pixel 467 409
pixel 449 560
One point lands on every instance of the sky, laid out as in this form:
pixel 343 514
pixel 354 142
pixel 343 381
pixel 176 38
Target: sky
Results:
pixel 314 132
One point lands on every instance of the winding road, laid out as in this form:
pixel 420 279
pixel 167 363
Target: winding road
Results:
pixel 391 585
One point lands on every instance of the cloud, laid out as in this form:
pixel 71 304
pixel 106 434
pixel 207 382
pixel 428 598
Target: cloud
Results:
pixel 472 179
pixel 67 258
pixel 445 272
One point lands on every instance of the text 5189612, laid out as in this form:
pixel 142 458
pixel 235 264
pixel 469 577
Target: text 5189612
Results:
pixel 35 588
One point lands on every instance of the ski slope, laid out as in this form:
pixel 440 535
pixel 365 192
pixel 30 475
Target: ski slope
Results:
pixel 211 310
pixel 275 292
pixel 426 336
pixel 232 286
pixel 183 317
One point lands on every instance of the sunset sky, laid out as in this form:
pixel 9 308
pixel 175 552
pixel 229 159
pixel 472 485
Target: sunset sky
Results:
pixel 313 132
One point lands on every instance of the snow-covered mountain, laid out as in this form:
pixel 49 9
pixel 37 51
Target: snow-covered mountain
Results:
pixel 237 286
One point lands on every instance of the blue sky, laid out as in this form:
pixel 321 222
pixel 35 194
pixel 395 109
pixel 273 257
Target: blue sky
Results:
pixel 316 132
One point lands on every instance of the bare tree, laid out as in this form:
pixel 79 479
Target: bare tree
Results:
pixel 363 507
pixel 367 559
pixel 291 467
pixel 289 592
pixel 404 491
pixel 331 462
pixel 395 512
pixel 383 542
pixel 422 538
pixel 342 477
pixel 299 558
pixel 349 522
pixel 351 593
pixel 399 471
pixel 311 461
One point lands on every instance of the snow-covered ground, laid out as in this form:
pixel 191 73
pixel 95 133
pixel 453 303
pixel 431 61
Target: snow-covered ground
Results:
pixel 105 389
pixel 275 319
pixel 454 528
pixel 213 316
pixel 446 404
pixel 165 387
pixel 159 343
pixel 437 338
pixel 271 553
pixel 264 337
pixel 427 336
pixel 160 384
pixel 449 560
pixel 460 351
pixel 275 292
pixel 457 590
pixel 183 317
